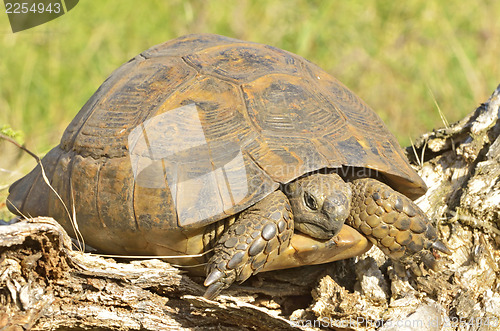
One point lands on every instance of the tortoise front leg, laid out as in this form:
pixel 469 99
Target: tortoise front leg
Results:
pixel 394 223
pixel 255 239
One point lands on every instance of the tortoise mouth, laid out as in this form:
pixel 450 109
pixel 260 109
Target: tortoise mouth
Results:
pixel 316 231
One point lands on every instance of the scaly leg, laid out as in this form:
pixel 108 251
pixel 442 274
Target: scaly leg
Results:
pixel 259 234
pixel 394 223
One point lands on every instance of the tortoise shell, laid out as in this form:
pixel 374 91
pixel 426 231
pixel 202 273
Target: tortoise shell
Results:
pixel 199 128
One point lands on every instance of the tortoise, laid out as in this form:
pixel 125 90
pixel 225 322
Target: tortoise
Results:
pixel 233 154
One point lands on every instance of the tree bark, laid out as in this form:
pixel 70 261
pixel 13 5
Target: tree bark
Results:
pixel 45 284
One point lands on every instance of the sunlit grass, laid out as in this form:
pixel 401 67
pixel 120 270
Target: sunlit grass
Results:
pixel 388 52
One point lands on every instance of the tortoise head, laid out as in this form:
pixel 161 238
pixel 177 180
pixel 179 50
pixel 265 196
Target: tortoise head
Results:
pixel 320 204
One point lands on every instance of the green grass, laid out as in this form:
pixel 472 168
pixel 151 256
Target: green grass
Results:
pixel 396 55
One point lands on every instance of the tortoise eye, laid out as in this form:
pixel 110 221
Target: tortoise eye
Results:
pixel 310 201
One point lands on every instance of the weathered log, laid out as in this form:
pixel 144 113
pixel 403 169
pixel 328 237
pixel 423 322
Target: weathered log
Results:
pixel 46 284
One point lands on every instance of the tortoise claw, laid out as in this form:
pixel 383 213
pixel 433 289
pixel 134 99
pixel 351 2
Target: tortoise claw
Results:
pixel 213 277
pixel 214 290
pixel 440 246
pixel 218 280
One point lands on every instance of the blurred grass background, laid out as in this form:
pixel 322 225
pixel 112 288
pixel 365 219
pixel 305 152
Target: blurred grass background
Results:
pixel 401 57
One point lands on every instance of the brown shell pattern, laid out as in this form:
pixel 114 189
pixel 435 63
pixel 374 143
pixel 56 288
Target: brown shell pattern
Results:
pixel 160 133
